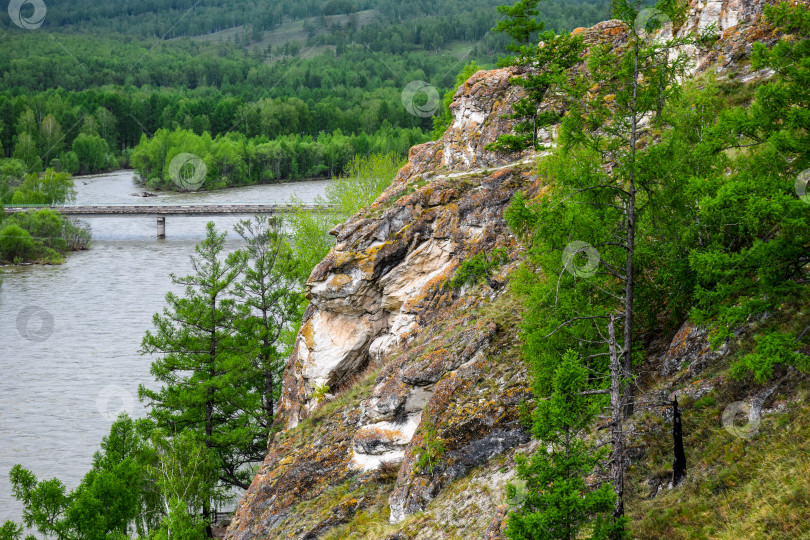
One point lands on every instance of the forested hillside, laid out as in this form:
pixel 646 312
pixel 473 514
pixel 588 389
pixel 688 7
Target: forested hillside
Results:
pixel 317 81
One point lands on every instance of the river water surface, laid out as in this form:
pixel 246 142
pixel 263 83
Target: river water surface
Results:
pixel 70 335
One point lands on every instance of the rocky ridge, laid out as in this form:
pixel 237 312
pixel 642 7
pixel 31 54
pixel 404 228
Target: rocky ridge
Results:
pixel 387 347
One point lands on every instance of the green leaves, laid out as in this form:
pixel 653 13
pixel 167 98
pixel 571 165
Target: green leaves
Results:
pixel 520 24
pixel 479 268
pixel 10 531
pixel 431 449
pixel 545 68
pixel 754 231
pixel 558 502
pixel 771 348
pixel 111 500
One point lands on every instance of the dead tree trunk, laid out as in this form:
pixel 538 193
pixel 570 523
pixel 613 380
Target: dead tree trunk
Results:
pixel 617 437
pixel 679 463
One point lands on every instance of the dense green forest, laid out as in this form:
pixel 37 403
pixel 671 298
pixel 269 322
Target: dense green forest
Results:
pixel 79 92
pixel 261 92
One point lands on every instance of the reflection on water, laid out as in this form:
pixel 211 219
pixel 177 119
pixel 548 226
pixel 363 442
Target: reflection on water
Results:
pixel 70 334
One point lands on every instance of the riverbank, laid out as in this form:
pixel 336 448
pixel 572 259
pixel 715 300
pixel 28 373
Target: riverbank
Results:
pixel 64 382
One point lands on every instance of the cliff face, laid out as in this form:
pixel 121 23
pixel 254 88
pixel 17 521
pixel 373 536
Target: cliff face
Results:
pixel 387 348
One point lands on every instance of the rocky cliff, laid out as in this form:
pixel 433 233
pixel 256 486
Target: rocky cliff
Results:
pixel 390 359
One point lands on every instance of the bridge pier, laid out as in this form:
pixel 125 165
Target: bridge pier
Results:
pixel 161 227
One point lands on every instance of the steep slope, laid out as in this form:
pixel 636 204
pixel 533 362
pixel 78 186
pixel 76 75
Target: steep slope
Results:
pixel 401 403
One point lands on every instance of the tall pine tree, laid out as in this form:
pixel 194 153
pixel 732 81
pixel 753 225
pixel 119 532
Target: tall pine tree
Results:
pixel 202 364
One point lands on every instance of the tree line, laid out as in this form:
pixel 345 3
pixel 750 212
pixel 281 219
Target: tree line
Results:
pixel 235 160
pixel 93 131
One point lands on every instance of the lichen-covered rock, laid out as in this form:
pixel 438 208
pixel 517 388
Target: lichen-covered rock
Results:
pixel 397 347
pixel 387 274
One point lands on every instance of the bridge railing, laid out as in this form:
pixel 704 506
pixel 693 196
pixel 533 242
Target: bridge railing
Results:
pixel 36 205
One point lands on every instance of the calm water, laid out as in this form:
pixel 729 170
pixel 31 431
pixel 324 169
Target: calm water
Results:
pixel 70 334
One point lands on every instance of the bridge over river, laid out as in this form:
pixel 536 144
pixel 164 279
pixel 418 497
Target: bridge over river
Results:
pixel 163 210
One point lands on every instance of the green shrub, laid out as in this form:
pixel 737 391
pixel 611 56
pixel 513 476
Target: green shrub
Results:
pixel 479 268
pixel 16 242
pixel 431 450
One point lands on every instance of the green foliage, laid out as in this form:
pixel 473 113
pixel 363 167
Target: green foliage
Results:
pixel 520 23
pixel 179 524
pixel 310 235
pixel 50 187
pixel 558 503
pixel 760 262
pixel 479 268
pixel 771 348
pixel 10 531
pixel 235 160
pixel 185 472
pixel 16 243
pixel 362 182
pixel 549 63
pixel 431 449
pixel 205 373
pixel 560 293
pixel 320 392
pixel 40 236
pixel 108 501
pixel 91 152
pixel 269 290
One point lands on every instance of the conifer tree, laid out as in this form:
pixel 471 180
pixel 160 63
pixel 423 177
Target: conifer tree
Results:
pixel 614 108
pixel 202 364
pixel 520 23
pixel 582 232
pixel 544 67
pixel 559 504
pixel 274 302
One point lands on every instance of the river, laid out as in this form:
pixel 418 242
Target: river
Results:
pixel 70 334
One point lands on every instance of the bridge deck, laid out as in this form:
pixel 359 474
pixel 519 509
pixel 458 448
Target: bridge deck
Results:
pixel 167 209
